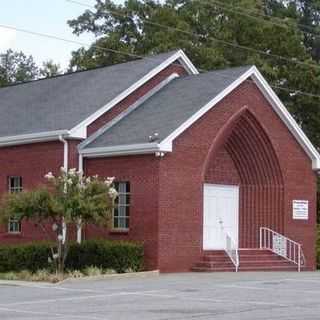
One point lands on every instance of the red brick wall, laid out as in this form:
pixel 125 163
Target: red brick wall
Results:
pixel 31 162
pixel 221 169
pixel 73 155
pixel 142 173
pixel 182 178
pixel 133 97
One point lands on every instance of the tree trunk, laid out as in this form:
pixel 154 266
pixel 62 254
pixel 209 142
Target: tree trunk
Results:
pixel 64 231
pixel 62 250
pixel 79 231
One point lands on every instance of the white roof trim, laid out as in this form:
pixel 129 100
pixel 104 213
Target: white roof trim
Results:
pixel 287 118
pixel 33 138
pixel 275 102
pixel 179 55
pixel 142 148
pixel 186 62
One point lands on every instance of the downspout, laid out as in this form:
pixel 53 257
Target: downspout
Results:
pixel 65 166
pixel 79 224
pixel 80 164
pixel 65 152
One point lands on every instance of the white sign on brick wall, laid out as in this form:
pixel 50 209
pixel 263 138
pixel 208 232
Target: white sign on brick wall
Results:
pixel 300 209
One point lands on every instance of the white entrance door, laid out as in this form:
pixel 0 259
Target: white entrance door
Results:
pixel 220 215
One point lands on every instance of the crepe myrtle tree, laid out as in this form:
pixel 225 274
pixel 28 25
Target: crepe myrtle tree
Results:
pixel 69 198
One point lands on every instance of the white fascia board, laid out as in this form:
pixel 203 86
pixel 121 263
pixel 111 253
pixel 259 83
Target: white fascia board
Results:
pixel 272 98
pixel 79 133
pixel 286 117
pixel 186 62
pixel 168 141
pixel 179 55
pixel 33 138
pixel 132 149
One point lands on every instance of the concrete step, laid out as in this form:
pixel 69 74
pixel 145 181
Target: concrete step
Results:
pixel 215 259
pixel 266 263
pixel 260 258
pixel 271 268
pixel 250 260
pixel 217 269
pixel 254 251
pixel 214 252
pixel 244 269
pixel 207 264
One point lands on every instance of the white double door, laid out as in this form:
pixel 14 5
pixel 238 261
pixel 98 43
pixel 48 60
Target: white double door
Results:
pixel 220 215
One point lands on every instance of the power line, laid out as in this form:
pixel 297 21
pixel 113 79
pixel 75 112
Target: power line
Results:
pixel 241 11
pixel 54 37
pixel 197 35
pixel 49 36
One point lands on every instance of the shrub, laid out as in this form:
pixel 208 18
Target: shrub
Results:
pixel 104 254
pixel 92 271
pixel 31 257
pixel 9 276
pixel 75 274
pixel 40 275
pixel 118 255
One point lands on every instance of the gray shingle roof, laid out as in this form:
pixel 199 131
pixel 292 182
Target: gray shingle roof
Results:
pixel 168 109
pixel 60 103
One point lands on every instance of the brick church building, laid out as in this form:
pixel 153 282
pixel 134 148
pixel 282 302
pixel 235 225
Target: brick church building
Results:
pixel 213 172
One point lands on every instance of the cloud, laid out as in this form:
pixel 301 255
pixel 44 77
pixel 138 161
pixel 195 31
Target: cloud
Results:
pixel 7 39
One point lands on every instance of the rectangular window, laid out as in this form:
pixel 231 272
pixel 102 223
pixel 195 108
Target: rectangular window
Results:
pixel 14 225
pixel 14 185
pixel 122 206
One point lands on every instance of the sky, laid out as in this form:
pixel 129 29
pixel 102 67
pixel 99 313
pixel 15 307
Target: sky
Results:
pixel 45 16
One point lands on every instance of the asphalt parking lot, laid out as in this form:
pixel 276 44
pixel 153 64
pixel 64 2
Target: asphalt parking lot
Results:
pixel 170 296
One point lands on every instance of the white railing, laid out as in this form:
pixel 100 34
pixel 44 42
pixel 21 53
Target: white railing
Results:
pixel 282 246
pixel 232 251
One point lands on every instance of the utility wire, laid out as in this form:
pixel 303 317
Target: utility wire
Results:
pixel 240 11
pixel 197 35
pixel 54 37
pixel 136 56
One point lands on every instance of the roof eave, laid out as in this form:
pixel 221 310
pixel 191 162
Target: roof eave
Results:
pixel 125 150
pixel 35 138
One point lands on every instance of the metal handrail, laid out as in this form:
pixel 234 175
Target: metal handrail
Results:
pixel 231 247
pixel 287 248
pixel 232 251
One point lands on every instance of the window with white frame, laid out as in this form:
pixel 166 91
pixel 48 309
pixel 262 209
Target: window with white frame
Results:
pixel 121 211
pixel 14 185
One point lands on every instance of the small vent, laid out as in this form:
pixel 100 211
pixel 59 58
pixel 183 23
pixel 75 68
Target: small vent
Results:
pixel 154 137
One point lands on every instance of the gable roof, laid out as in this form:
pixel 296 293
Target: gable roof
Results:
pixel 67 104
pixel 176 107
pixel 167 109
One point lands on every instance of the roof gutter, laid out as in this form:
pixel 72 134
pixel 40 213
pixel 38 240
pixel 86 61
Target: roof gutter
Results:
pixel 33 138
pixel 124 150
